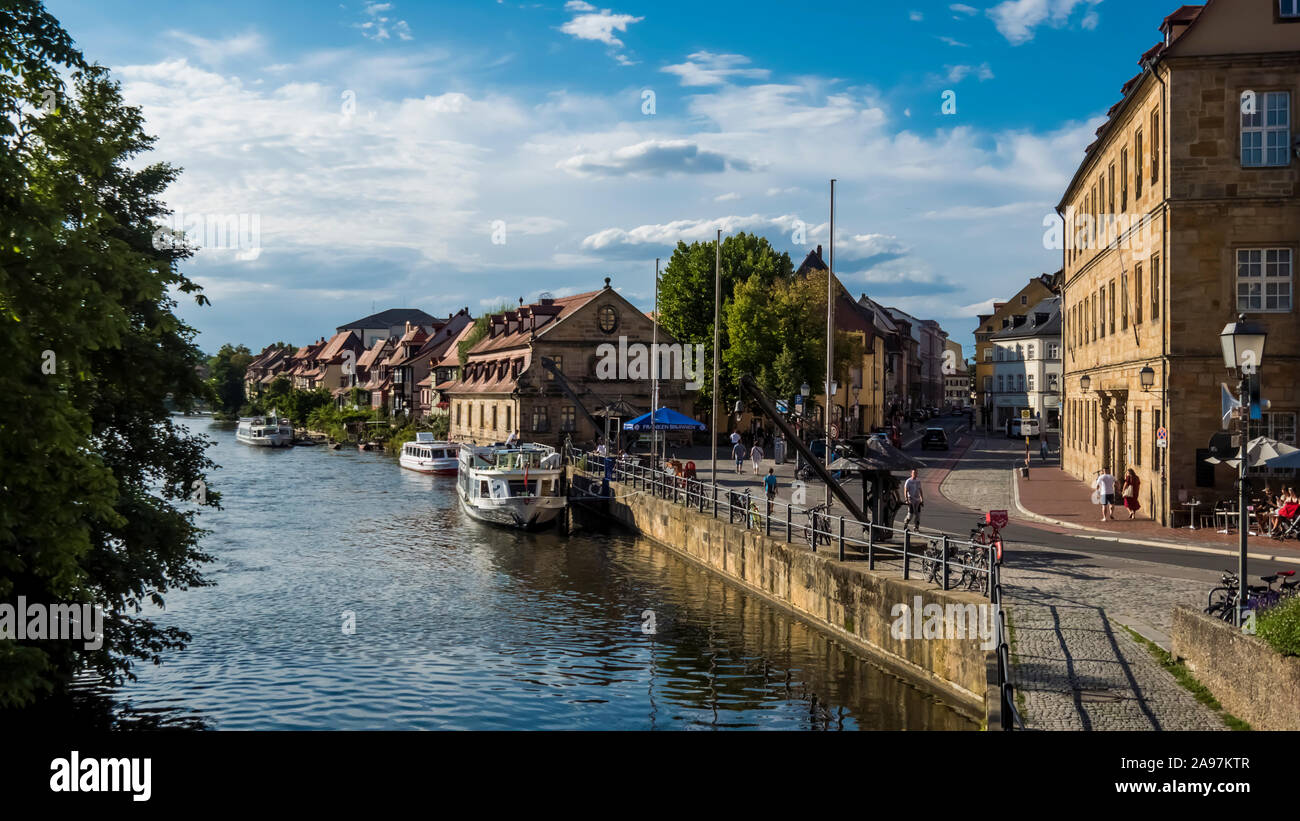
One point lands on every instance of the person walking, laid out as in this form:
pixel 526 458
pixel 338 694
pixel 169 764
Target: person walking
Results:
pixel 915 498
pixel 1132 484
pixel 1104 484
pixel 738 451
pixel 756 455
pixel 1043 449
pixel 769 486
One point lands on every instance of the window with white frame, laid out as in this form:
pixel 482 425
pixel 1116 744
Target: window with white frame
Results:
pixel 1264 279
pixel 1053 351
pixel 1030 355
pixel 1266 130
pixel 1031 381
pixel 988 354
pixel 1001 384
pixel 1020 381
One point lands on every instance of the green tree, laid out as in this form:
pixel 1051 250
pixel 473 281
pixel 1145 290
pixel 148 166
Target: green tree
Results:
pixel 227 380
pixel 686 289
pixel 98 485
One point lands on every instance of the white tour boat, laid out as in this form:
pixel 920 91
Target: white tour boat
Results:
pixel 511 485
pixel 266 433
pixel 428 455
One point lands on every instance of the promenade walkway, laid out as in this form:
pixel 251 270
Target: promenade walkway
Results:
pixel 1077 668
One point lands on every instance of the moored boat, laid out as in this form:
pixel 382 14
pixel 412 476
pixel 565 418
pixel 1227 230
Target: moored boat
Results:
pixel 260 431
pixel 429 455
pixel 515 486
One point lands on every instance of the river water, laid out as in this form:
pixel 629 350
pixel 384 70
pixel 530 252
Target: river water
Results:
pixel 461 625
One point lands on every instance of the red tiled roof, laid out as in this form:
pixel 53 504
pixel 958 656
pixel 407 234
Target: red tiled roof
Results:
pixel 334 347
pixel 547 317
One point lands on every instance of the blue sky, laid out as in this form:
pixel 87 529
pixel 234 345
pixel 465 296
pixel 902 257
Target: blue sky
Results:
pixel 451 154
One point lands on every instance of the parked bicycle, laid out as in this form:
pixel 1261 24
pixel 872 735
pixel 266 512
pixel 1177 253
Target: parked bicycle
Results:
pixel 1222 600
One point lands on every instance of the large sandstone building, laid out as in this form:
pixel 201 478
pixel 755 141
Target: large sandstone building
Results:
pixel 503 385
pixel 1184 212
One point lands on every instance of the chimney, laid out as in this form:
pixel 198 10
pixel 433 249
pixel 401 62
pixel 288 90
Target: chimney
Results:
pixel 606 282
pixel 819 252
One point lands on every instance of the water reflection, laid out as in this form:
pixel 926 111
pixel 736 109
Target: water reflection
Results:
pixel 460 625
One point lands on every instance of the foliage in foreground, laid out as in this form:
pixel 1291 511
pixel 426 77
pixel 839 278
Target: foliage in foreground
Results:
pixel 99 488
pixel 1280 627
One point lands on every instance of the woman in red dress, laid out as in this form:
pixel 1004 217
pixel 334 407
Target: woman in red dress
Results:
pixel 1132 484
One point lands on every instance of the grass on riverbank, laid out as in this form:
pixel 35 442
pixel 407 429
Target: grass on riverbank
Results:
pixel 1279 626
pixel 1184 677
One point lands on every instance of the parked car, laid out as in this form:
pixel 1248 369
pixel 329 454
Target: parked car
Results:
pixel 890 435
pixel 934 438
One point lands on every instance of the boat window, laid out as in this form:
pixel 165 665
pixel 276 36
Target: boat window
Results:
pixel 483 488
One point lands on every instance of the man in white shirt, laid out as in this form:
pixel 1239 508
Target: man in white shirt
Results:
pixel 1105 485
pixel 915 498
pixel 512 438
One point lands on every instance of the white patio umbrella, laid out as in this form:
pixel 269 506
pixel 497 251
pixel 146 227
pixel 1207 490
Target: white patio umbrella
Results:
pixel 1262 451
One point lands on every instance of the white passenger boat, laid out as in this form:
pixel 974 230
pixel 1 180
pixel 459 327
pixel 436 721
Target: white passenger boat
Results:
pixel 260 431
pixel 428 455
pixel 516 486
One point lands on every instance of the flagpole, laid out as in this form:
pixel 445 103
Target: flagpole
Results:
pixel 717 303
pixel 830 341
pixel 654 370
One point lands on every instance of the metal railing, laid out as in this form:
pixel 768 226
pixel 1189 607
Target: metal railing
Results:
pixel 949 562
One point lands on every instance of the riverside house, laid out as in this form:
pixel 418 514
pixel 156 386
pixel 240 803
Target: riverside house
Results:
pixel 503 386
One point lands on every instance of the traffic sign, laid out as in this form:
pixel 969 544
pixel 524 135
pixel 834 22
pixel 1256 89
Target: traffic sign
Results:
pixel 1162 438
pixel 835 431
pixel 1026 414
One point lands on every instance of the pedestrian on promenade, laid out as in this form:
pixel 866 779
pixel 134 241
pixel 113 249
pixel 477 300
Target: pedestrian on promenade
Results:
pixel 769 485
pixel 738 451
pixel 1104 484
pixel 735 437
pixel 915 498
pixel 756 455
pixel 1132 484
pixel 1043 449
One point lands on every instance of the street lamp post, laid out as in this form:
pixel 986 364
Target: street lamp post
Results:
pixel 1243 348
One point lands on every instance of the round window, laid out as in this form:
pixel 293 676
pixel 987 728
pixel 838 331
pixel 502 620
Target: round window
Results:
pixel 608 319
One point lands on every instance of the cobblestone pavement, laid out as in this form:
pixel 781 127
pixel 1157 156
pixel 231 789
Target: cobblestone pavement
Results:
pixel 1077 668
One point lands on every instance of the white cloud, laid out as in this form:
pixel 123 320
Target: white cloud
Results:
pixel 1017 19
pixel 915 16
pixel 728 197
pixel 653 157
pixel 215 52
pixel 953 41
pixel 958 73
pixel 704 68
pixel 379 26
pixel 962 8
pixel 598 25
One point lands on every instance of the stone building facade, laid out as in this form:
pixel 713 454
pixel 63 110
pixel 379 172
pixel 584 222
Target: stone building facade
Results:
pixel 1003 316
pixel 1027 367
pixel 504 387
pixel 1184 212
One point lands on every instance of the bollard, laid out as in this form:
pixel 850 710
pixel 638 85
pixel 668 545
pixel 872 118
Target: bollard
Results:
pixel 787 523
pixel 841 538
pixel 715 500
pixel 907 561
pixel 945 561
pixel 871 552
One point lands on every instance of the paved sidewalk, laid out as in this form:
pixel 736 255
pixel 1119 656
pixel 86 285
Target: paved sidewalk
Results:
pixel 1053 495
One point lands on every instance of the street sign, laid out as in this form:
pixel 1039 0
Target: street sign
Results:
pixel 781 406
pixel 1026 414
pixel 1162 438
pixel 835 431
